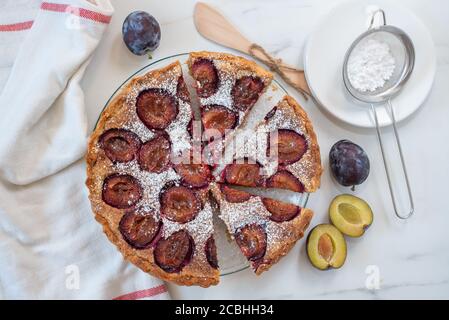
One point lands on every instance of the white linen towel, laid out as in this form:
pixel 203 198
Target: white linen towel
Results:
pixel 50 245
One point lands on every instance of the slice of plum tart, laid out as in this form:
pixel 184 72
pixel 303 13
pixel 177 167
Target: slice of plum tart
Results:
pixel 265 229
pixel 287 156
pixel 227 88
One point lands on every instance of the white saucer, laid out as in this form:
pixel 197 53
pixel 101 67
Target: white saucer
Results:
pixel 327 45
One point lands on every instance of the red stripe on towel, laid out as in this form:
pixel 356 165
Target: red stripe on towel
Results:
pixel 16 26
pixel 143 293
pixel 81 12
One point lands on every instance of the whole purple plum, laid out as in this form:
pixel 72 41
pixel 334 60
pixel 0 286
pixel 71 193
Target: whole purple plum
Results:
pixel 349 163
pixel 141 33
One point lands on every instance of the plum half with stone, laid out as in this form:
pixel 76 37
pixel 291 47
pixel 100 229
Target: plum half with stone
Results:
pixel 326 247
pixel 349 163
pixel 350 214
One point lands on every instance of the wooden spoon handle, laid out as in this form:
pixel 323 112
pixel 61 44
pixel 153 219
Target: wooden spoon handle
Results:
pixel 214 26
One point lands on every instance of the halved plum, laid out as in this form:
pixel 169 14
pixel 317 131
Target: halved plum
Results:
pixel 234 195
pixel 181 90
pixel 175 252
pixel 284 179
pixel 219 118
pixel 291 146
pixel 179 204
pixel 119 145
pixel 350 214
pixel 326 247
pixel 206 76
pixel 252 241
pixel 139 229
pixel 156 108
pixel 246 91
pixel 281 211
pixel 211 252
pixel 121 191
pixel 154 155
pixel 243 174
pixel 196 175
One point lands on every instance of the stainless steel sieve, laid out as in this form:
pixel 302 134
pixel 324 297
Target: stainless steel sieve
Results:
pixel 403 52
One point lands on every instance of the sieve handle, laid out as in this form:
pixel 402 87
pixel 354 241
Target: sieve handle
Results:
pixel 398 143
pixel 373 16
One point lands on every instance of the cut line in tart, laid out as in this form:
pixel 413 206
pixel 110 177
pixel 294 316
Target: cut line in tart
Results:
pixel 157 210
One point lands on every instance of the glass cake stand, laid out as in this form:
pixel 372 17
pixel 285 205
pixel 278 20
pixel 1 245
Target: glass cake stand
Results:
pixel 230 259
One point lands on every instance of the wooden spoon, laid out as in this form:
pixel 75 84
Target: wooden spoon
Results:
pixel 214 26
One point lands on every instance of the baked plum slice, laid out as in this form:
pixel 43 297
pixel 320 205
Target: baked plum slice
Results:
pixel 290 146
pixel 233 195
pixel 282 211
pixel 154 155
pixel 243 173
pixel 196 175
pixel 181 90
pixel 252 241
pixel 179 204
pixel 211 252
pixel 156 108
pixel 350 214
pixel 206 77
pixel 219 118
pixel 175 252
pixel 119 145
pixel 326 247
pixel 246 91
pixel 121 191
pixel 139 229
pixel 284 179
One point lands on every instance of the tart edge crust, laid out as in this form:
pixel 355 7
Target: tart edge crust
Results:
pixel 299 226
pixel 317 168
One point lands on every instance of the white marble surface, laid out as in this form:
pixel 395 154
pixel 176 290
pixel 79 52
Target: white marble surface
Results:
pixel 412 256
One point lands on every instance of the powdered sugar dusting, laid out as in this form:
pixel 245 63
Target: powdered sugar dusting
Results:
pixel 370 65
pixel 237 215
pixel 177 130
pixel 151 183
pixel 140 129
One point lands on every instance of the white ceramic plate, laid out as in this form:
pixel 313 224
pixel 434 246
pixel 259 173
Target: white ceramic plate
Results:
pixel 230 259
pixel 327 45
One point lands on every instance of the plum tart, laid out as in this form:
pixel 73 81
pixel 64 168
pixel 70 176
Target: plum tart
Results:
pixel 157 210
